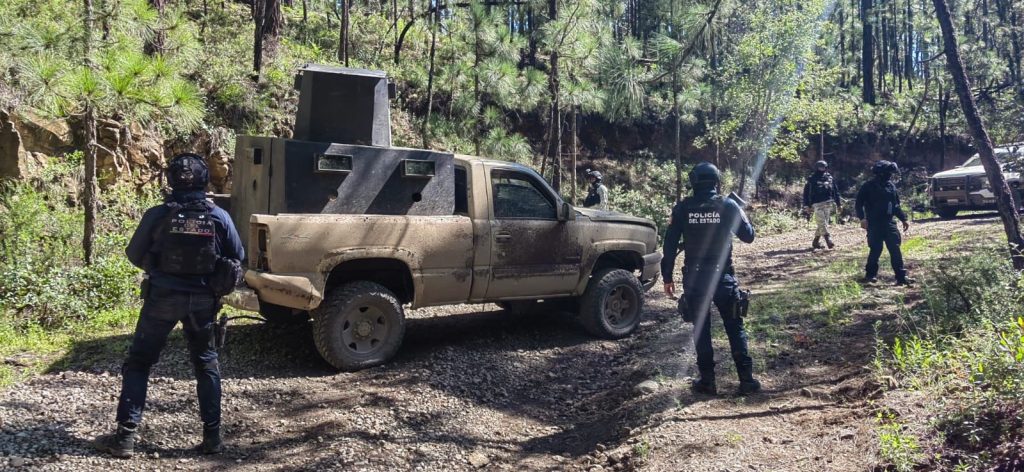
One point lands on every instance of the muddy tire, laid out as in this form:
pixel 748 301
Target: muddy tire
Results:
pixel 278 315
pixel 610 308
pixel 946 213
pixel 358 325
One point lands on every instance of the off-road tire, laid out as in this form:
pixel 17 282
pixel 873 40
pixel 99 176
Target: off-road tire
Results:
pixel 946 213
pixel 281 315
pixel 341 322
pixel 601 320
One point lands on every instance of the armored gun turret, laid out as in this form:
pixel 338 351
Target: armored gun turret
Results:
pixel 340 159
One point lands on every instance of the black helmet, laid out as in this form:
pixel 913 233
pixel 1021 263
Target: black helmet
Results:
pixel 188 171
pixel 704 174
pixel 821 165
pixel 593 173
pixel 885 168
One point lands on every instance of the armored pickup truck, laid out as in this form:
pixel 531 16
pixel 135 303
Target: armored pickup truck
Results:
pixel 344 227
pixel 510 239
pixel 966 186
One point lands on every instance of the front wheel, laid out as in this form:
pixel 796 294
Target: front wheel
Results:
pixel 946 213
pixel 358 325
pixel 610 307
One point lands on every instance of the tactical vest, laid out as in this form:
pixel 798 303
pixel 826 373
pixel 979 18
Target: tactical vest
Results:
pixel 592 197
pixel 188 239
pixel 821 188
pixel 707 237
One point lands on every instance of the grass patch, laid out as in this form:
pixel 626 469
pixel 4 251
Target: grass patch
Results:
pixel 963 345
pixel 30 349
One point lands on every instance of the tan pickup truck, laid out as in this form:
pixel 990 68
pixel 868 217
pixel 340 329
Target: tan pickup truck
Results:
pixel 511 241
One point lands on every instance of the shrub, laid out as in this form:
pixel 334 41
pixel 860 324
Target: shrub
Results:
pixel 965 344
pixel 42 277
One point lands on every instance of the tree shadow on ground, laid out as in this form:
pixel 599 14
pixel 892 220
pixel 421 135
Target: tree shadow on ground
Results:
pixel 540 367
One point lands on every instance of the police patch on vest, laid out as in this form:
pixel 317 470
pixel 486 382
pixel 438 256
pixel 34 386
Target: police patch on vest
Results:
pixel 193 225
pixel 705 218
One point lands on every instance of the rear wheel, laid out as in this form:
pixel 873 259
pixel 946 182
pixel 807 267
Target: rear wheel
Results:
pixel 610 307
pixel 358 325
pixel 946 213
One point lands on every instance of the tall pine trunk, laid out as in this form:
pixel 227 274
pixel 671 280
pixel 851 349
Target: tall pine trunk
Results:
pixel 91 189
pixel 258 19
pixel 430 76
pixel 555 136
pixel 155 44
pixel 343 52
pixel 867 53
pixel 1004 199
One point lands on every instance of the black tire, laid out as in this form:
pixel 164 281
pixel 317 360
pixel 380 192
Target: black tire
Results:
pixel 281 315
pixel 358 325
pixel 610 307
pixel 520 307
pixel 946 213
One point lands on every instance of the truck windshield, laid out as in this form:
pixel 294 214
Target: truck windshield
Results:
pixel 975 160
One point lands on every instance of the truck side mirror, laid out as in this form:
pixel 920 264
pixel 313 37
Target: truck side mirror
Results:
pixel 566 213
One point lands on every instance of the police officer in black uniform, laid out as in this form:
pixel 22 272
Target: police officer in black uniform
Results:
pixel 707 222
pixel 178 244
pixel 877 203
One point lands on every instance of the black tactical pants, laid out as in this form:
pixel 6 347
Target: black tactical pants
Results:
pixel 886 233
pixel 161 311
pixel 700 294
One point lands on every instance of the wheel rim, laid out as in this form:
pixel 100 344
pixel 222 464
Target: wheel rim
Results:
pixel 364 329
pixel 621 307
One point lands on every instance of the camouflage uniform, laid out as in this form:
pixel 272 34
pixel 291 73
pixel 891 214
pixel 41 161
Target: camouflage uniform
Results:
pixel 822 217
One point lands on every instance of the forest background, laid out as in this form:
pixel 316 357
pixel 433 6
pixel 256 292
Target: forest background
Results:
pixel 638 89
pixel 644 85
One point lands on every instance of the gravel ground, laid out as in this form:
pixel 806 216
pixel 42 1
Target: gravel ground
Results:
pixel 472 388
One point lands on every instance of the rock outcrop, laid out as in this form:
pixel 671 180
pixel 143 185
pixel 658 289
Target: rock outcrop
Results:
pixel 12 154
pixel 125 153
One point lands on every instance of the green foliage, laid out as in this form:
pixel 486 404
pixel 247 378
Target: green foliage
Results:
pixel 897 447
pixel 768 220
pixel 965 344
pixel 51 73
pixel 42 279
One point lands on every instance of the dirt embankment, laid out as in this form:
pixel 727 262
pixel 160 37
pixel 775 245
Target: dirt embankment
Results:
pixel 476 388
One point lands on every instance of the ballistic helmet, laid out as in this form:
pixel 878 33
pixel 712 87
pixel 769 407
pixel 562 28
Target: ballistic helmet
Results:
pixel 885 169
pixel 595 174
pixel 188 171
pixel 821 165
pixel 704 174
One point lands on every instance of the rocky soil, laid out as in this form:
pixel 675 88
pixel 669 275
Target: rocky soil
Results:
pixel 476 388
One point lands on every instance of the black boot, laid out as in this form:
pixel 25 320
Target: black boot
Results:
pixel 121 444
pixel 817 242
pixel 748 384
pixel 905 281
pixel 828 241
pixel 212 443
pixel 704 386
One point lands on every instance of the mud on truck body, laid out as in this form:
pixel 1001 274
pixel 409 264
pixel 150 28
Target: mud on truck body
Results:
pixel 352 233
pixel 966 187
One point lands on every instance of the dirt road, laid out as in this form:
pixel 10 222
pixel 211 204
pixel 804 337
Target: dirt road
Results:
pixel 476 388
